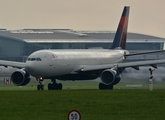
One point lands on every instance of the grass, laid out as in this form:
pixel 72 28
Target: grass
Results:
pixel 92 104
pixel 123 103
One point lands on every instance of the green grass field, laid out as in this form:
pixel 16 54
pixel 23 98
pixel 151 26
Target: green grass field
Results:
pixel 92 104
pixel 122 103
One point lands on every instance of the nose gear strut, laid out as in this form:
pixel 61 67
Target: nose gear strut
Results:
pixel 40 86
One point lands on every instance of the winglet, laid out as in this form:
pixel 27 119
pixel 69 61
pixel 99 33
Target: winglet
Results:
pixel 121 33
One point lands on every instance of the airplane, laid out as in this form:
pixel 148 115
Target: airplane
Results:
pixel 81 64
pixel 6 71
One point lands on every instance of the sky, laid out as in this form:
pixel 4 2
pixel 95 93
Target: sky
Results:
pixel 146 16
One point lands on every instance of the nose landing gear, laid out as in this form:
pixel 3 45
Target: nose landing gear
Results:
pixel 40 86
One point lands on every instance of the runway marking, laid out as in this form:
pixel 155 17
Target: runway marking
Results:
pixel 134 85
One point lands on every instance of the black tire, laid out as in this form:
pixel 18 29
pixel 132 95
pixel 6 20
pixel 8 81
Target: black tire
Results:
pixel 55 86
pixel 38 87
pixel 101 86
pixel 105 87
pixel 42 87
pixel 110 87
pixel 60 86
pixel 49 86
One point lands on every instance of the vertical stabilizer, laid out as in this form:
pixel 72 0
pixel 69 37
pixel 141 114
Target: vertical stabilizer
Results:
pixel 121 33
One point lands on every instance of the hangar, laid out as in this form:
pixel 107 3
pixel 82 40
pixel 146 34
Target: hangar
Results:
pixel 17 45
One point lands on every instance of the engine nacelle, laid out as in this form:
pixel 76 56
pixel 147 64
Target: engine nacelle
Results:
pixel 110 76
pixel 20 77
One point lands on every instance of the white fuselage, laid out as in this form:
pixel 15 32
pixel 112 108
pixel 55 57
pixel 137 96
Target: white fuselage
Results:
pixel 49 63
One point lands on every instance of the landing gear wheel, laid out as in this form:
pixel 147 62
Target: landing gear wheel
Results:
pixel 54 85
pixel 110 87
pixel 60 86
pixel 101 86
pixel 105 87
pixel 50 86
pixel 40 87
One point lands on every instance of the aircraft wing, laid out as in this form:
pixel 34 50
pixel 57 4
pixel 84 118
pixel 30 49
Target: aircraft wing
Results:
pixel 135 65
pixel 147 52
pixel 12 64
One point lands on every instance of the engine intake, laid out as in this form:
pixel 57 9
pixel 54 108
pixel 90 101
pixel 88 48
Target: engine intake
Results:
pixel 109 77
pixel 20 77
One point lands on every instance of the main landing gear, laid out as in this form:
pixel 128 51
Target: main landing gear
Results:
pixel 54 85
pixel 105 87
pixel 40 86
pixel 51 86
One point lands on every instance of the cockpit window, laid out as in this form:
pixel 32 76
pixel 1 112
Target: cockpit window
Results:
pixel 38 59
pixel 34 59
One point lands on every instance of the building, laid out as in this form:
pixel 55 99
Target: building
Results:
pixel 17 45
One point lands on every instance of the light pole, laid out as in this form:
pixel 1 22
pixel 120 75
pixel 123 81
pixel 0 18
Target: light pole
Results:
pixel 151 79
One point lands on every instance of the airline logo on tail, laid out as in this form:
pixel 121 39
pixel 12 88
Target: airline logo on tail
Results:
pixel 121 33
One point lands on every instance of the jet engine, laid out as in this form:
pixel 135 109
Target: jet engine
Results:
pixel 110 76
pixel 20 77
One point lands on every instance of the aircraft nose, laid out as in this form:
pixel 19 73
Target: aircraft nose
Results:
pixel 28 65
pixel 30 68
